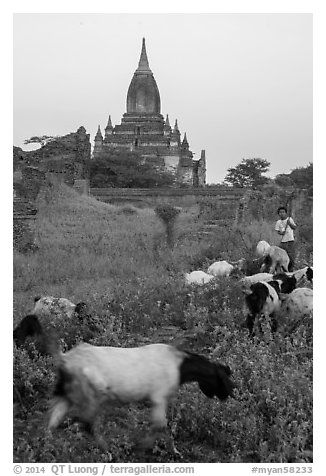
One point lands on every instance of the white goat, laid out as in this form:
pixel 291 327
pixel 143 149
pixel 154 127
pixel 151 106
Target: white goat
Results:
pixel 276 260
pixel 262 248
pixel 89 376
pixel 248 280
pixel 198 277
pixel 223 268
pixel 298 304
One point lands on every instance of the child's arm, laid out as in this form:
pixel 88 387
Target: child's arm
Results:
pixel 291 223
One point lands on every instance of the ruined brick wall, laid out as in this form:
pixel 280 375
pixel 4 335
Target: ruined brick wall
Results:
pixel 19 158
pixel 173 196
pixel 199 171
pixel 82 186
pixel 27 184
pixel 32 181
pixel 66 156
pixel 262 205
pixel 24 213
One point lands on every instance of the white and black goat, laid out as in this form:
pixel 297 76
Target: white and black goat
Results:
pixel 29 326
pixel 49 306
pixel 303 276
pixel 90 376
pixel 46 311
pixel 264 298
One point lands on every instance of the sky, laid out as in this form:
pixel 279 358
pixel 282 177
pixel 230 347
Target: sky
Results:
pixel 239 84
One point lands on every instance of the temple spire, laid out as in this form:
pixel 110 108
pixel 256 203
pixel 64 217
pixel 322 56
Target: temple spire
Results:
pixel 167 127
pixel 143 65
pixel 185 142
pixel 109 125
pixel 175 136
pixel 176 128
pixel 99 134
pixel 109 129
pixel 143 95
pixel 98 143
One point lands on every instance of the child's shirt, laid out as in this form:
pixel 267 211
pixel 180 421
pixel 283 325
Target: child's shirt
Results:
pixel 281 225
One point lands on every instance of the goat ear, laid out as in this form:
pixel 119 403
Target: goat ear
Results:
pixel 33 325
pixel 246 291
pixel 235 263
pixel 226 384
pixel 228 370
pixel 207 390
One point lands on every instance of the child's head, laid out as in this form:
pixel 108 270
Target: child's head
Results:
pixel 282 212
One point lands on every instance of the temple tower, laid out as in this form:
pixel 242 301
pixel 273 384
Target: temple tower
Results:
pixel 143 95
pixel 109 128
pixel 98 142
pixel 144 130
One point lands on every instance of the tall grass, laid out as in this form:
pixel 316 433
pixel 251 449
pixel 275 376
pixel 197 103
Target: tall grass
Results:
pixel 119 262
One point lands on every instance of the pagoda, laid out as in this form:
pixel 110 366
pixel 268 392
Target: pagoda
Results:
pixel 144 130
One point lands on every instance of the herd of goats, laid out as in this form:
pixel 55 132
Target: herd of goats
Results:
pixel 271 291
pixel 88 375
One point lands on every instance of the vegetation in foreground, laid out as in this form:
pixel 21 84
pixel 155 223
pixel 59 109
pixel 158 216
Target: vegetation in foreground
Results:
pixel 119 262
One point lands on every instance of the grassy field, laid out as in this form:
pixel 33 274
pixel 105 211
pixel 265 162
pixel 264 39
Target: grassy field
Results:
pixel 116 259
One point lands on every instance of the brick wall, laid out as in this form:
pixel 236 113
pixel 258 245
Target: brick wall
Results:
pixel 156 196
pixel 66 158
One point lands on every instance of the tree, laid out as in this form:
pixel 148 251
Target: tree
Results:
pixel 127 170
pixel 248 173
pixel 43 140
pixel 284 180
pixel 168 214
pixel 300 177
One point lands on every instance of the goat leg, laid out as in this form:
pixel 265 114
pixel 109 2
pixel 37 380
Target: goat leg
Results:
pixel 99 440
pixel 171 444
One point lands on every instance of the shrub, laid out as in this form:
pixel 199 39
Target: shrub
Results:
pixel 168 215
pixel 127 210
pixel 33 376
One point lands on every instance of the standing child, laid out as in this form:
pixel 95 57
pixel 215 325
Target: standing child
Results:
pixel 284 227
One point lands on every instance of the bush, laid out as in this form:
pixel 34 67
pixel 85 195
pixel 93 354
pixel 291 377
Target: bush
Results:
pixel 127 210
pixel 168 215
pixel 33 376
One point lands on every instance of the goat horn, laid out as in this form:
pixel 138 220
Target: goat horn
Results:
pixel 246 290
